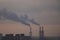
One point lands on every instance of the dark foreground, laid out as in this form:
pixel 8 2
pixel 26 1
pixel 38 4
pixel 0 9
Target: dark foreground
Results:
pixel 47 38
pixel 23 37
pixel 28 38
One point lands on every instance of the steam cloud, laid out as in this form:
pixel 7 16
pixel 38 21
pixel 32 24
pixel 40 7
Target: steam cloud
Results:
pixel 14 17
pixel 31 20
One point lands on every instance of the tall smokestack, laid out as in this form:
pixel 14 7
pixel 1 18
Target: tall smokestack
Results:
pixel 41 33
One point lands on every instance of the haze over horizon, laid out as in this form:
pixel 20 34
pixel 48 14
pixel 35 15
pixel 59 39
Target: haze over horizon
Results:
pixel 44 11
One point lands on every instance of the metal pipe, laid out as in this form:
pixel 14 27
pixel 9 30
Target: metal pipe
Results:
pixel 30 32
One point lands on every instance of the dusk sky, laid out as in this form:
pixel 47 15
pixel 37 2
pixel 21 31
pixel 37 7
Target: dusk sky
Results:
pixel 44 11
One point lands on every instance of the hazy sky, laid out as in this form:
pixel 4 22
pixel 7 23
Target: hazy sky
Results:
pixel 45 11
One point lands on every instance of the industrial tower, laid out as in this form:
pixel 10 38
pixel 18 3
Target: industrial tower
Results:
pixel 41 33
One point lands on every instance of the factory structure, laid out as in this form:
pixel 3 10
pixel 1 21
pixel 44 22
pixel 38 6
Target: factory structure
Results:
pixel 21 36
pixel 41 33
pixel 16 37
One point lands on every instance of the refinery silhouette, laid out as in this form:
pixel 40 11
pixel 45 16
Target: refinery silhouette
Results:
pixel 26 21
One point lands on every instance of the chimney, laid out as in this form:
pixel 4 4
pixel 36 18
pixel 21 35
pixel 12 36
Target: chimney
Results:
pixel 41 33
